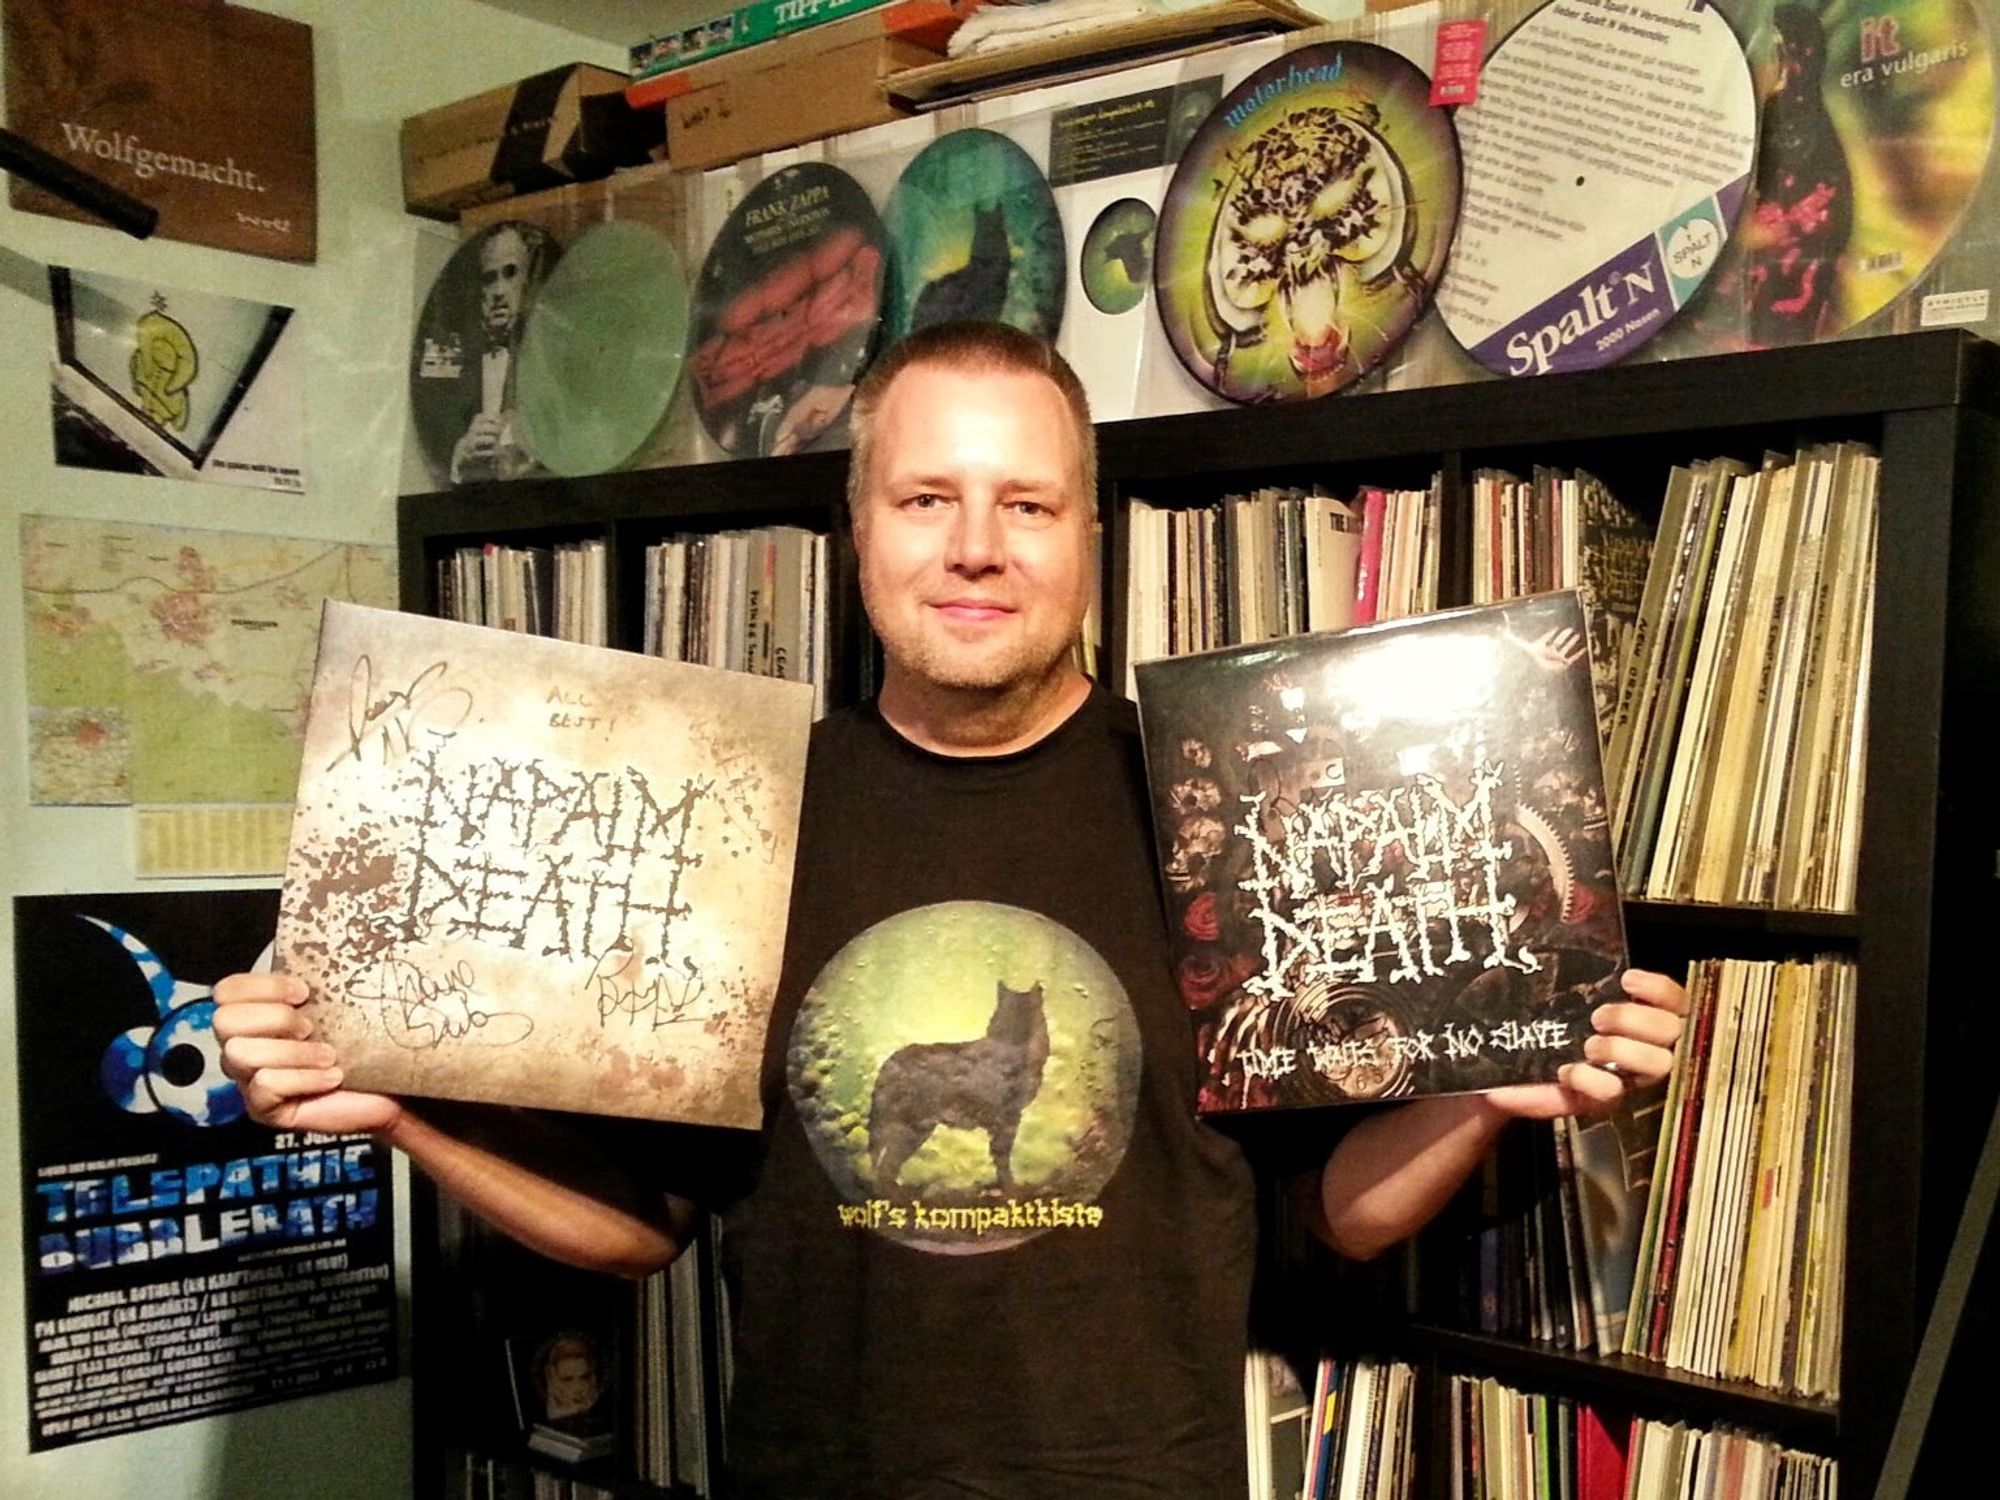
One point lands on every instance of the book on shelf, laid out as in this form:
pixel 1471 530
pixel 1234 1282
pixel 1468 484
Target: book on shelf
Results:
pixel 749 601
pixel 1562 530
pixel 1276 562
pixel 538 873
pixel 1383 855
pixel 556 591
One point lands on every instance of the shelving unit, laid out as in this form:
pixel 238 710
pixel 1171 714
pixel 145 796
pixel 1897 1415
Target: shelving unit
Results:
pixel 1930 405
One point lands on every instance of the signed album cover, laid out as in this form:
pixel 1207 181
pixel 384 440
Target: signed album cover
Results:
pixel 538 873
pixel 1384 855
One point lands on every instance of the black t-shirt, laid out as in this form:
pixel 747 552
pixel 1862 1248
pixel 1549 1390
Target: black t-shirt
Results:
pixel 989 1251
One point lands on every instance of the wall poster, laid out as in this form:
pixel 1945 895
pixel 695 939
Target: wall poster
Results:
pixel 180 1260
pixel 202 109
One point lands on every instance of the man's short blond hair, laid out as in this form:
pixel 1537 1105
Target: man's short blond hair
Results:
pixel 970 348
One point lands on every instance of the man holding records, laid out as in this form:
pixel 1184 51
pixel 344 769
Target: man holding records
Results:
pixel 1011 1261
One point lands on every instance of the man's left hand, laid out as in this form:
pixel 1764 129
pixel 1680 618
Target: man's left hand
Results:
pixel 1631 1046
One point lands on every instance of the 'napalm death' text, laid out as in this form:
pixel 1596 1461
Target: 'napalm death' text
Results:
pixel 522 855
pixel 1390 884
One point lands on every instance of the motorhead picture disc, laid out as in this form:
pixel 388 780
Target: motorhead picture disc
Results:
pixel 1605 161
pixel 1307 224
pixel 974 234
pixel 1875 143
pixel 467 339
pixel 786 311
pixel 603 350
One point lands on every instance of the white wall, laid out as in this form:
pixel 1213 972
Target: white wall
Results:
pixel 377 61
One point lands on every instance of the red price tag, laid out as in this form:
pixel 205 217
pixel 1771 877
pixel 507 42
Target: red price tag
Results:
pixel 1455 72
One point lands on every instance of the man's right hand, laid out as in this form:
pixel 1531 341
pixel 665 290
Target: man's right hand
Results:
pixel 289 1081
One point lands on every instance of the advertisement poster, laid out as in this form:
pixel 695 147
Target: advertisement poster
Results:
pixel 180 1260
pixel 149 379
pixel 203 110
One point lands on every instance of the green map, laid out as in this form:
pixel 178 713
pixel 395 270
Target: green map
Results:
pixel 173 666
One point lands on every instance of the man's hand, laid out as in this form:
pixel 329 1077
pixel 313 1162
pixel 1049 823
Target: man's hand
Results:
pixel 1632 1045
pixel 289 1081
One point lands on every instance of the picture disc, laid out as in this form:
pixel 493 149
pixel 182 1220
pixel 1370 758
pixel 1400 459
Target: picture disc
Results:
pixel 603 350
pixel 973 233
pixel 786 310
pixel 1117 261
pixel 1307 224
pixel 1605 161
pixel 462 358
pixel 1876 139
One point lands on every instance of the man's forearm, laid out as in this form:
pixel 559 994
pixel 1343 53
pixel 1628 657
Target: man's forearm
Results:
pixel 1392 1172
pixel 581 1221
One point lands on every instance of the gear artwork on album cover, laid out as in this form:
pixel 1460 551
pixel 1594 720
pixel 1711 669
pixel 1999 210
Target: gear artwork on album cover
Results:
pixel 1385 856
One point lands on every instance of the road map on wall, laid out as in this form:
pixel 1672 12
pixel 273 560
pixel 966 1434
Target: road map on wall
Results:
pixel 171 666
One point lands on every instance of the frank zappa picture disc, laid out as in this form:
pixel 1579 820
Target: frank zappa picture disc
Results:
pixel 786 311
pixel 1307 224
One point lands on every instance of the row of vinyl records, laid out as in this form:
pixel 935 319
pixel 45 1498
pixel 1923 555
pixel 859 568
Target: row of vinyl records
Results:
pixel 1730 652
pixel 480 1476
pixel 1701 1225
pixel 750 601
pixel 1352 1437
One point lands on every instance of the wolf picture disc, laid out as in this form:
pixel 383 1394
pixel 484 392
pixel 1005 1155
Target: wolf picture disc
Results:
pixel 1116 265
pixel 974 233
pixel 468 337
pixel 603 350
pixel 1605 162
pixel 1875 143
pixel 1307 224
pixel 786 311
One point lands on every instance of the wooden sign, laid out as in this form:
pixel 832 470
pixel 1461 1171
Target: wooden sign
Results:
pixel 204 110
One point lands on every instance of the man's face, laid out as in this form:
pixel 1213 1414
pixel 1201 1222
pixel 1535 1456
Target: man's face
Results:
pixel 973 530
pixel 503 277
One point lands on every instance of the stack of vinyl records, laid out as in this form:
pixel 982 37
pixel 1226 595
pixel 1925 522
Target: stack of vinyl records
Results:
pixel 1275 563
pixel 1564 531
pixel 1547 1251
pixel 681 1318
pixel 557 591
pixel 1509 1445
pixel 1742 1258
pixel 747 601
pixel 1350 1440
pixel 1735 755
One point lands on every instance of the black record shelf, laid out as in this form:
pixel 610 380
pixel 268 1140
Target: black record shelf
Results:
pixel 1929 403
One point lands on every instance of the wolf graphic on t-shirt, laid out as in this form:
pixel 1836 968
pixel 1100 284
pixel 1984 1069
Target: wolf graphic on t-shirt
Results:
pixel 981 1084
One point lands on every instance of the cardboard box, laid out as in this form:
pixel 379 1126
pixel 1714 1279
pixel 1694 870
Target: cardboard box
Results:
pixel 797 88
pixel 748 25
pixel 569 124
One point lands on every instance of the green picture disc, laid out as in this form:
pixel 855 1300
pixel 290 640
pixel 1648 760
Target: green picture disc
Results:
pixel 603 350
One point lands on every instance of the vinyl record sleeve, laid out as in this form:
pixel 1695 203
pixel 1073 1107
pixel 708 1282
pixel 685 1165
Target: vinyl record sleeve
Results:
pixel 538 873
pixel 1383 855
pixel 1606 160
